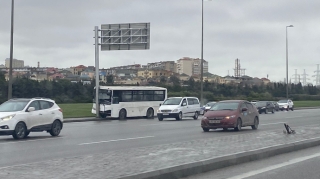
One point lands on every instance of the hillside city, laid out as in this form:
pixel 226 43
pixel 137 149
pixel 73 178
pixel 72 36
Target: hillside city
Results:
pixel 183 69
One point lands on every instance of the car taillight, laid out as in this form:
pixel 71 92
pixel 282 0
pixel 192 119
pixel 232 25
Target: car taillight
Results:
pixel 60 110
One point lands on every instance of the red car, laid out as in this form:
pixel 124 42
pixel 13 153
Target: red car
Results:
pixel 230 114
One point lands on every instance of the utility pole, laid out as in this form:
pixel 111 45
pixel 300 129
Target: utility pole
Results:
pixel 11 52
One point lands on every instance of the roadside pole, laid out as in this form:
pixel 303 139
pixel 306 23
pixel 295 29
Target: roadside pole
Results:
pixel 96 36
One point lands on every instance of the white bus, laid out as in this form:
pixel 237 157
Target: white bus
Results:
pixel 129 101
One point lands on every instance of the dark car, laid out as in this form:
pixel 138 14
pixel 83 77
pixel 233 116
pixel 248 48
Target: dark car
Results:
pixel 265 107
pixel 230 114
pixel 276 105
pixel 208 106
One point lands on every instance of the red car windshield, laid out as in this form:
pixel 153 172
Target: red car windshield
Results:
pixel 224 106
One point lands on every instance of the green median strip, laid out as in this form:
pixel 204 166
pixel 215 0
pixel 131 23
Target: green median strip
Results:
pixel 306 104
pixel 76 110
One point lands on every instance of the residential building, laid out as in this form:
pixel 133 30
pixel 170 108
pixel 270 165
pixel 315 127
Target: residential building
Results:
pixel 183 77
pixel 15 63
pixel 125 73
pixel 145 73
pixel 135 66
pixel 163 65
pixel 230 79
pixel 196 69
pixel 73 78
pixel 78 69
pixel 55 77
pixel 108 71
pixel 39 76
pixel 133 81
pixel 184 65
pixel 64 72
pixel 191 66
pixel 265 81
pixel 88 72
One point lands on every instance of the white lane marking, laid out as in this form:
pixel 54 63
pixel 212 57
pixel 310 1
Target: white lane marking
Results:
pixel 277 166
pixel 155 124
pixel 115 140
pixel 272 123
pixel 30 140
pixel 293 117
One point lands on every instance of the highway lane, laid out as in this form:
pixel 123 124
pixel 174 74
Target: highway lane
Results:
pixel 302 164
pixel 85 138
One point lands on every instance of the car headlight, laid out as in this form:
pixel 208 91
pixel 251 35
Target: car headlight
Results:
pixel 158 111
pixel 230 117
pixel 204 117
pixel 263 107
pixel 175 110
pixel 7 118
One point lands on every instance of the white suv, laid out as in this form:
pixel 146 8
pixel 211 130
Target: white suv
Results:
pixel 179 107
pixel 286 104
pixel 19 117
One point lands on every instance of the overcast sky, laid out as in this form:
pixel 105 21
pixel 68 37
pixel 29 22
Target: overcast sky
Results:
pixel 60 33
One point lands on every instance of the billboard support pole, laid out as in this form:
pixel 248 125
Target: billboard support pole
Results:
pixel 96 36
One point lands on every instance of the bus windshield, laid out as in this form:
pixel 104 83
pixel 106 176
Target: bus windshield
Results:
pixel 104 96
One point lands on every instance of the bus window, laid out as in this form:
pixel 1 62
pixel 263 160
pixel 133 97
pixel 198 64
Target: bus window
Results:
pixel 137 96
pixel 126 96
pixel 116 97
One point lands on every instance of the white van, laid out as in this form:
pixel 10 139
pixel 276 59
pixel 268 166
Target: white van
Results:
pixel 179 107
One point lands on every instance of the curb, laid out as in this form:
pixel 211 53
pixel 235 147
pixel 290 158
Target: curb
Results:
pixel 69 120
pixel 224 161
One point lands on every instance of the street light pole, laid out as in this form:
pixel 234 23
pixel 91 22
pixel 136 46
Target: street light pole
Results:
pixel 11 53
pixel 201 77
pixel 287 60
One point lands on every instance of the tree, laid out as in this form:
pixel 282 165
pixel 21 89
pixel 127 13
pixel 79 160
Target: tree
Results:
pixel 175 80
pixel 163 79
pixel 110 79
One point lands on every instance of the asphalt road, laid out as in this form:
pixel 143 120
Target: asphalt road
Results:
pixel 85 138
pixel 302 164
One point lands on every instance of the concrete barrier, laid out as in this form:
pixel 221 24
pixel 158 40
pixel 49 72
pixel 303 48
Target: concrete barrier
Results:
pixel 188 169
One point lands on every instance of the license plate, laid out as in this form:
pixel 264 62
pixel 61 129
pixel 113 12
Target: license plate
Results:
pixel 214 121
pixel 165 114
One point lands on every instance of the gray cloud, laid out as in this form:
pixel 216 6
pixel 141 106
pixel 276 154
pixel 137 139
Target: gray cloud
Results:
pixel 60 33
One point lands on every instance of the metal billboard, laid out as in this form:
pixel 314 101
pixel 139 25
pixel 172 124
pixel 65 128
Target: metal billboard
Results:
pixel 130 36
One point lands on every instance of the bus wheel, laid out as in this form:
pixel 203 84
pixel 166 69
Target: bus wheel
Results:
pixel 122 114
pixel 150 113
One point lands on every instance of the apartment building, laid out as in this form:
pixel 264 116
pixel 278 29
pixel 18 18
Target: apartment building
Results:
pixel 15 63
pixel 162 65
pixel 196 68
pixel 135 66
pixel 153 73
pixel 78 69
pixel 191 66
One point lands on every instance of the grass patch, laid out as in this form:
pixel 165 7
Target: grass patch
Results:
pixel 76 110
pixel 306 103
